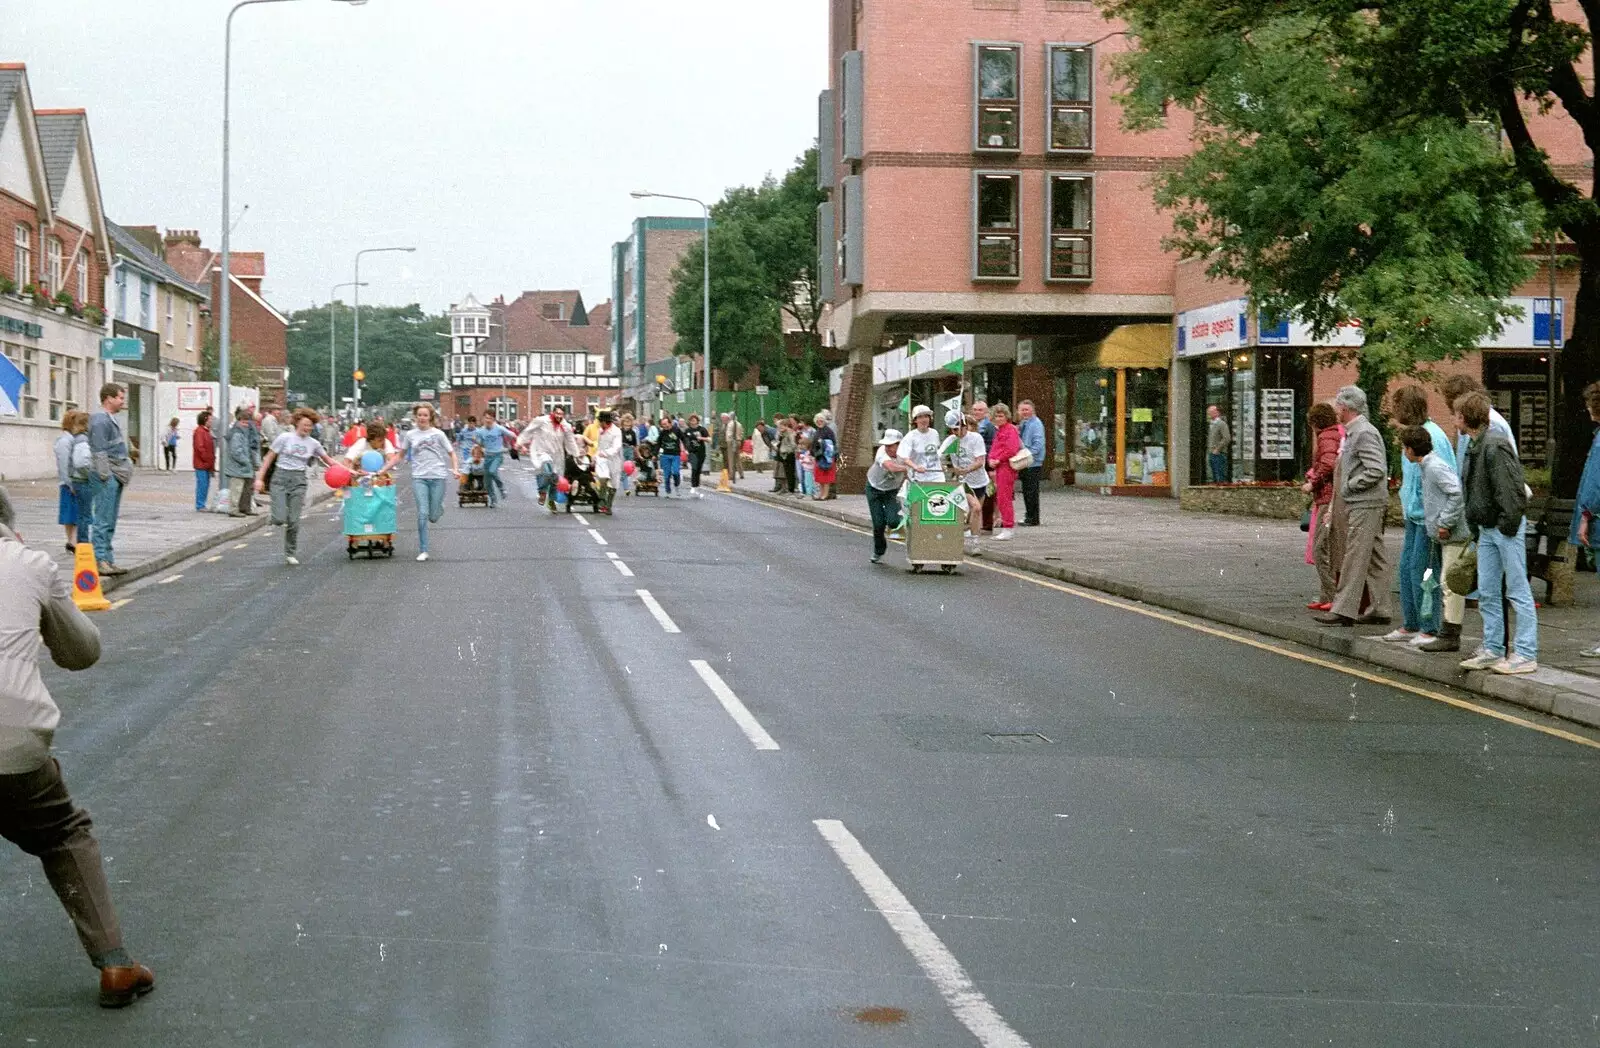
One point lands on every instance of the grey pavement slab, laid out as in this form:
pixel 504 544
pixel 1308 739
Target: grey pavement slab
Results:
pixel 1251 573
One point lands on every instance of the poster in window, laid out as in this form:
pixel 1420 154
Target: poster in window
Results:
pixel 1277 424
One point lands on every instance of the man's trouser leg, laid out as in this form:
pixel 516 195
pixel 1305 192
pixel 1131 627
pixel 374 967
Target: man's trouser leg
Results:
pixel 1366 564
pixel 491 478
pixel 884 507
pixel 107 503
pixel 1030 493
pixel 988 508
pixel 38 816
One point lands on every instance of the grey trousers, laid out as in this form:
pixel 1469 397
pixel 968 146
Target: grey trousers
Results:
pixel 288 500
pixel 38 816
pixel 1365 565
pixel 1322 555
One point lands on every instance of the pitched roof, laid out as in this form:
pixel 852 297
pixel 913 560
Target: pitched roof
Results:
pixel 128 245
pixel 569 301
pixel 527 331
pixel 600 316
pixel 10 84
pixel 59 132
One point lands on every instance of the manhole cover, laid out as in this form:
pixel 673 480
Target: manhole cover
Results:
pixel 1027 738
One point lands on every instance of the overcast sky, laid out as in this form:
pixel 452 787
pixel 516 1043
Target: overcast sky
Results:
pixel 500 137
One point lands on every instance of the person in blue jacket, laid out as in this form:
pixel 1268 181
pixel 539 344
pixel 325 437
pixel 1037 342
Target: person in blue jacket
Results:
pixel 493 438
pixel 1588 501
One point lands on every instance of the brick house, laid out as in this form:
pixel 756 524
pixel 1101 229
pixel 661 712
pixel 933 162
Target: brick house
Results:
pixel 643 344
pixel 516 359
pixel 56 243
pixel 258 328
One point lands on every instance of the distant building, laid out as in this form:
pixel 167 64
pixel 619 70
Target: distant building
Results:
pixel 643 344
pixel 513 360
pixel 259 329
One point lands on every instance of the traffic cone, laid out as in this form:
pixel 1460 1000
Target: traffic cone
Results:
pixel 722 482
pixel 86 580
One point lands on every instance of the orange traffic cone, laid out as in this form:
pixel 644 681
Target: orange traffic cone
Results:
pixel 86 580
pixel 722 482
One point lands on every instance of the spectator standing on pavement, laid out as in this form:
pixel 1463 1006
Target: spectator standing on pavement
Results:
pixel 732 436
pixel 549 441
pixel 1007 442
pixel 292 452
pixel 494 437
pixel 433 460
pixel 1587 506
pixel 1497 498
pixel 1362 481
pixel 884 479
pixel 1453 388
pixel 1031 430
pixel 986 430
pixel 788 448
pixel 697 439
pixel 110 472
pixel 37 813
pixel 241 455
pixel 1218 437
pixel 203 446
pixel 968 457
pixel 1327 437
pixel 269 425
pixel 1421 552
pixel 73 478
pixel 608 462
pixel 825 450
pixel 169 447
pixel 669 443
pixel 805 464
pixel 1444 520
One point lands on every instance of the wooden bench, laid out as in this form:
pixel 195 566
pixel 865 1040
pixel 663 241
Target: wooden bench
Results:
pixel 1549 523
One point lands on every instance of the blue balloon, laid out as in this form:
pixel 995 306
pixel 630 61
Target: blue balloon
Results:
pixel 372 461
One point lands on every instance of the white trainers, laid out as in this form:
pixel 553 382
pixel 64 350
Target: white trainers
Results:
pixel 291 561
pixel 1590 653
pixel 421 557
pixel 1003 535
pixel 1515 664
pixel 1399 636
pixel 1481 659
pixel 1422 638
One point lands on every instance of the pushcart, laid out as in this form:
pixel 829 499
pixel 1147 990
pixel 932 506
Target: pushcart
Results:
pixel 935 516
pixel 369 518
pixel 472 489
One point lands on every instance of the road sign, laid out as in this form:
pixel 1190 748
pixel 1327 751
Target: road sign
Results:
pixel 762 391
pixel 121 349
pixel 426 394
pixel 681 397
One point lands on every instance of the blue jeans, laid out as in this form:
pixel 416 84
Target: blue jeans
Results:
pixel 1501 558
pixel 491 477
pixel 1219 468
pixel 202 488
pixel 107 496
pixel 1418 555
pixel 626 481
pixel 429 493
pixel 83 492
pixel 671 472
pixel 546 480
pixel 885 509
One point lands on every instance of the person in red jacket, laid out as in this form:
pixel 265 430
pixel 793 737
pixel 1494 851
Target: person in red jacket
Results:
pixel 205 459
pixel 1320 543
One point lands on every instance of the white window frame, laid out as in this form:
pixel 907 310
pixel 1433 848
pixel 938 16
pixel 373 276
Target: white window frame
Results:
pixel 22 254
pixel 122 292
pixel 28 360
pixel 550 401
pixel 1016 104
pixel 83 276
pixel 172 327
pixel 1050 232
pixel 503 408
pixel 188 325
pixel 559 363
pixel 1014 234
pixel 53 273
pixel 1086 106
pixel 466 364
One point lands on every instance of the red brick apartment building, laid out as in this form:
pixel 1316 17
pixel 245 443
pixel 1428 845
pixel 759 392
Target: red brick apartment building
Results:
pixel 980 183
pixel 258 328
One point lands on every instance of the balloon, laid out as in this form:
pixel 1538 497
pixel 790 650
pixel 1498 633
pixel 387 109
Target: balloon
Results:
pixel 337 477
pixel 372 461
pixel 629 468
pixel 563 485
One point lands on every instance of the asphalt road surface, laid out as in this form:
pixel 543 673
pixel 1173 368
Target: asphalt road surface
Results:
pixel 789 798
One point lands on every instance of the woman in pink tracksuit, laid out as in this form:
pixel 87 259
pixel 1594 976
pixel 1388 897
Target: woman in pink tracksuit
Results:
pixel 1007 442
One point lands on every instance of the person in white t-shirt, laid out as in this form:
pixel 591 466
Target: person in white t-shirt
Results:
pixel 433 459
pixel 964 450
pixel 376 438
pixel 291 453
pixel 920 447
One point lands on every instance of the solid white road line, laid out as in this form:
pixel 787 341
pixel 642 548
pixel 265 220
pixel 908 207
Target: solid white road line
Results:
pixel 970 1007
pixel 169 578
pixel 658 611
pixel 737 710
pixel 598 537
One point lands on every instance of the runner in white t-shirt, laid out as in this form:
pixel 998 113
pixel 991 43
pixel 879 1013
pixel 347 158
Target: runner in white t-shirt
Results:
pixel 291 452
pixel 920 447
pixel 433 460
pixel 969 465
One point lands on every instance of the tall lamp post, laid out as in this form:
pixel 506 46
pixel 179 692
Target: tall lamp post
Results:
pixel 333 317
pixel 355 365
pixel 226 332
pixel 705 306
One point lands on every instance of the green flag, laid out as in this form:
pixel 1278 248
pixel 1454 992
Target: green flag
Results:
pixel 957 366
pixel 905 404
pixel 913 348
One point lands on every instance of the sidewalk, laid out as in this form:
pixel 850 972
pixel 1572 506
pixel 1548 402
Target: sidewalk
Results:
pixel 158 525
pixel 1251 573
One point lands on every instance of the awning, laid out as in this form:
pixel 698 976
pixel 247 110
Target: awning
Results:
pixel 1137 346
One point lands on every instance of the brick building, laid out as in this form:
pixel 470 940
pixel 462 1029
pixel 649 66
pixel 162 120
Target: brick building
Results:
pixel 52 271
pixel 515 359
pixel 258 328
pixel 643 344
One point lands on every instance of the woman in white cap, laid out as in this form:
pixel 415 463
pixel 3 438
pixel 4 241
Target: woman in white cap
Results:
pixel 884 479
pixel 969 466
pixel 920 447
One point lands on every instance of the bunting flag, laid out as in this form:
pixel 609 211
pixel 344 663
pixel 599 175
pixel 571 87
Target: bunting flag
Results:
pixel 952 404
pixel 957 366
pixel 913 348
pixel 11 382
pixel 949 334
pixel 905 404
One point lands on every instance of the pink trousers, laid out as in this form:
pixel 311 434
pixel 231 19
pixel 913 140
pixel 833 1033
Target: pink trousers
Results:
pixel 1005 494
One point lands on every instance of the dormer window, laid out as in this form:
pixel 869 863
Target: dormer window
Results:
pixel 553 311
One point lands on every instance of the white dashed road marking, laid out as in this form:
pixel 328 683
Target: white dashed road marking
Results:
pixel 658 611
pixel 213 560
pixel 737 710
pixel 598 537
pixel 169 578
pixel 627 572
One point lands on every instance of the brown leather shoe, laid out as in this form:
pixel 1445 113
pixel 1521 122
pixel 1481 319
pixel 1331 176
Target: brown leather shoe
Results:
pixel 120 987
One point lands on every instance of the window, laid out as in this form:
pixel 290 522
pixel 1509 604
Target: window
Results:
pixel 145 290
pixel 28 361
pixel 63 385
pixel 559 363
pixel 455 325
pixel 172 327
pixel 83 277
pixel 122 292
pixel 503 408
pixel 550 401
pixel 1071 254
pixel 552 311
pixel 997 116
pixel 594 365
pixel 995 236
pixel 466 364
pixel 483 325
pixel 22 256
pixel 53 276
pixel 1071 89
pixel 188 325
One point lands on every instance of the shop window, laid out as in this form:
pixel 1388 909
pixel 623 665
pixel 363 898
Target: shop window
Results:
pixel 1071 89
pixel 28 361
pixel 1094 427
pixel 1071 254
pixel 997 117
pixel 995 234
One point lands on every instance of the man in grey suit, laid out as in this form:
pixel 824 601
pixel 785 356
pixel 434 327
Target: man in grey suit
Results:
pixel 1361 479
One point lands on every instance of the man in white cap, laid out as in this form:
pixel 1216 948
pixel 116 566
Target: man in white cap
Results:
pixel 884 478
pixel 920 447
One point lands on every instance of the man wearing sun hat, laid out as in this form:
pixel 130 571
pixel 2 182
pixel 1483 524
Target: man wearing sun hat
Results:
pixel 885 477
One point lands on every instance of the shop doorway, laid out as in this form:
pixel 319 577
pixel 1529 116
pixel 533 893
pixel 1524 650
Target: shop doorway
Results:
pixel 1263 396
pixel 1518 385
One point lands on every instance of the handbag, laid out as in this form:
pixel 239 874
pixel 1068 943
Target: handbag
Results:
pixel 1462 578
pixel 1305 520
pixel 1021 460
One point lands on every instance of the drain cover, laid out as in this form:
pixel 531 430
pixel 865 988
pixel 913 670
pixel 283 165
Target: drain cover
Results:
pixel 1027 738
pixel 881 1016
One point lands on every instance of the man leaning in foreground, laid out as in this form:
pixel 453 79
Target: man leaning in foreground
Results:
pixel 36 812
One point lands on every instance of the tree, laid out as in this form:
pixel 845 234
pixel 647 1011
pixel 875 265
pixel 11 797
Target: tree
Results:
pixel 241 365
pixel 1311 186
pixel 401 352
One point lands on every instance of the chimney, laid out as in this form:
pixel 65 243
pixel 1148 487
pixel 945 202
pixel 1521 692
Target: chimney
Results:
pixel 190 237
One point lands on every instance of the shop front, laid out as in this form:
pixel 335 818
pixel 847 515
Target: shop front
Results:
pixel 1112 429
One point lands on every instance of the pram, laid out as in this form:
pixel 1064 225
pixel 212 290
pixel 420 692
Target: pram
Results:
pixel 646 475
pixel 473 489
pixel 369 518
pixel 580 483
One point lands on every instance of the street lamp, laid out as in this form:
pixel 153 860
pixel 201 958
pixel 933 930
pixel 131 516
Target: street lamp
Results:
pixel 226 334
pixel 355 366
pixel 705 306
pixel 333 389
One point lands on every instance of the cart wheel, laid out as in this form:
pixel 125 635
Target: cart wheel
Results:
pixel 916 569
pixel 350 551
pixel 948 569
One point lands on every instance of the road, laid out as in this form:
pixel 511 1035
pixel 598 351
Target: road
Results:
pixel 793 799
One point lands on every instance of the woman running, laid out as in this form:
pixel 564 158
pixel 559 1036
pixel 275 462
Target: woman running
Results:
pixel 291 452
pixel 433 460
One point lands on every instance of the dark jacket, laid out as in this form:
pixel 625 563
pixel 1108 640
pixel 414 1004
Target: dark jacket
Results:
pixel 1497 495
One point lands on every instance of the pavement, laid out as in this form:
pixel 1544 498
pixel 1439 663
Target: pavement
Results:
pixel 157 527
pixel 698 774
pixel 1251 573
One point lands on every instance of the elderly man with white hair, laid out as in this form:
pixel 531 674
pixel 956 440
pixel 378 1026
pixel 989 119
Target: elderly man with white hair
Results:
pixel 1361 479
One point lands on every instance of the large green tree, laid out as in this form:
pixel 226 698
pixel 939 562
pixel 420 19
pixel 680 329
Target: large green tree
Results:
pixel 1314 185
pixel 763 266
pixel 401 352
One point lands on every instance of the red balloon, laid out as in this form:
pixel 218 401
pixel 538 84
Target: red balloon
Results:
pixel 337 477
pixel 563 485
pixel 629 468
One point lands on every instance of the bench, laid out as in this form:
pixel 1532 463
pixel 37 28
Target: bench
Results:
pixel 1549 523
